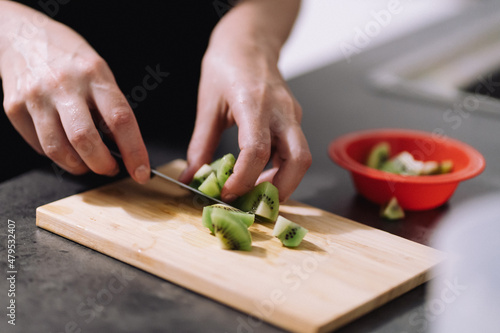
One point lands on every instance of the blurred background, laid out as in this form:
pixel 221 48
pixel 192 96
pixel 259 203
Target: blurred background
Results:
pixel 323 27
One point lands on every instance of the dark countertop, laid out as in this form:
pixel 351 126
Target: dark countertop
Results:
pixel 64 287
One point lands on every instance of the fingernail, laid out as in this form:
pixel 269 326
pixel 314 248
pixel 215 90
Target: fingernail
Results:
pixel 230 197
pixel 142 174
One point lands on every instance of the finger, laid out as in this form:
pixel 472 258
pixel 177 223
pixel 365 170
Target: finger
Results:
pixel 123 127
pixel 54 142
pixel 23 123
pixel 295 159
pixel 254 138
pixel 206 136
pixel 267 175
pixel 83 135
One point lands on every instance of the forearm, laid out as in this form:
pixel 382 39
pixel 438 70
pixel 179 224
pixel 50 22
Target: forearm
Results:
pixel 261 25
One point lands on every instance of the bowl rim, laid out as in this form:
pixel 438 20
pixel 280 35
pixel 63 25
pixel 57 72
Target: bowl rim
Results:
pixel 339 155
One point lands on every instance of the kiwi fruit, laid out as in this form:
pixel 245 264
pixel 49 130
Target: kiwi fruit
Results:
pixel 206 218
pixel 403 164
pixel 262 200
pixel 445 166
pixel 289 233
pixel 210 186
pixel 232 233
pixel 215 164
pixel 225 168
pixel 392 210
pixel 430 168
pixel 219 170
pixel 199 177
pixel 378 155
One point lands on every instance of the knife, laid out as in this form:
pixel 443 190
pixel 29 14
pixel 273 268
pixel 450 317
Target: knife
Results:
pixel 181 184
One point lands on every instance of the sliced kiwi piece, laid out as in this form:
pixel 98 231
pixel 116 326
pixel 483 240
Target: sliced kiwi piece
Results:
pixel 430 168
pixel 215 164
pixel 210 186
pixel 289 233
pixel 378 155
pixel 403 164
pixel 445 166
pixel 206 218
pixel 262 200
pixel 392 210
pixel 225 168
pixel 232 233
pixel 199 177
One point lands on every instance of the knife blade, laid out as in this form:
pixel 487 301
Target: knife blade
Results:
pixel 181 184
pixel 187 187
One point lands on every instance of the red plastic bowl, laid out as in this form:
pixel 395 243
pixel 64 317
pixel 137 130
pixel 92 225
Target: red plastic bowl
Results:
pixel 412 192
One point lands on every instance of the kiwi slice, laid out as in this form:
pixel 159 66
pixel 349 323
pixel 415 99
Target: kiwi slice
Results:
pixel 215 164
pixel 206 219
pixel 225 168
pixel 289 233
pixel 378 155
pixel 392 210
pixel 210 186
pixel 446 166
pixel 430 168
pixel 232 233
pixel 199 177
pixel 262 200
pixel 403 164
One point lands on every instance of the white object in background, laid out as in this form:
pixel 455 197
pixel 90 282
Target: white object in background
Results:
pixel 465 296
pixel 329 31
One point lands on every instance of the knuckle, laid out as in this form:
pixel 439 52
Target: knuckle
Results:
pixel 13 107
pixel 52 151
pixel 304 158
pixel 81 136
pixel 121 117
pixel 261 151
pixel 92 66
pixel 54 81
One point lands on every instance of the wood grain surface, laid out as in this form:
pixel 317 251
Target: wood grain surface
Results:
pixel 342 269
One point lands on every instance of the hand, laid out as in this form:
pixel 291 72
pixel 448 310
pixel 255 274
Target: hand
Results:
pixel 240 84
pixel 57 88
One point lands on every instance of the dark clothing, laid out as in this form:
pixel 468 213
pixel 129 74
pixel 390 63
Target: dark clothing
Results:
pixel 154 49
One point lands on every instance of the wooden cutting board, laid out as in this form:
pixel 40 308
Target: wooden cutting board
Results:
pixel 342 269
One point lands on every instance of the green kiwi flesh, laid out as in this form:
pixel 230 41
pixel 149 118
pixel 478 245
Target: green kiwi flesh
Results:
pixel 289 233
pixel 392 210
pixel 262 200
pixel 199 177
pixel 445 166
pixel 232 233
pixel 206 218
pixel 210 186
pixel 225 168
pixel 403 164
pixel 378 155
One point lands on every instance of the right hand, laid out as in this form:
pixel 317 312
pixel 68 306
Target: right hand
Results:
pixel 56 89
